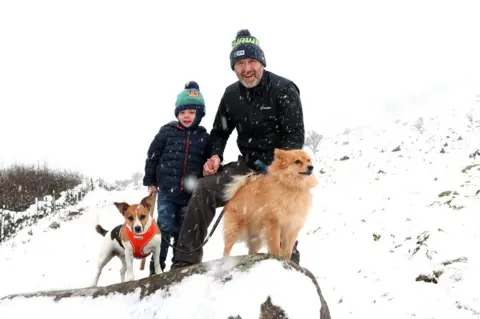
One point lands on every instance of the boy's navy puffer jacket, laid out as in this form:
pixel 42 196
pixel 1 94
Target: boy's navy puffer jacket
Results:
pixel 176 153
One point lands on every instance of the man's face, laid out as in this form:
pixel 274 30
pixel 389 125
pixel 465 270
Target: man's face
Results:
pixel 249 72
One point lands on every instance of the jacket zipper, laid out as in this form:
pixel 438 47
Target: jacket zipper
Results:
pixel 185 160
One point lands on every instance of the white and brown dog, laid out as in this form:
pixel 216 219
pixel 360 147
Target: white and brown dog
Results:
pixel 137 238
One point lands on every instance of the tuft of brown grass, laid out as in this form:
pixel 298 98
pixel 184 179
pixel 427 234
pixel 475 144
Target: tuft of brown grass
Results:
pixel 21 184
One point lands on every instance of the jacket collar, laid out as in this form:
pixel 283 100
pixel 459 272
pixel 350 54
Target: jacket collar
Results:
pixel 179 126
pixel 258 90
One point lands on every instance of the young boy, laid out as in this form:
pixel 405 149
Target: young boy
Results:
pixel 175 161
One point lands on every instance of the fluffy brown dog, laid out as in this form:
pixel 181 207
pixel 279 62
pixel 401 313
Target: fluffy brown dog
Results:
pixel 270 209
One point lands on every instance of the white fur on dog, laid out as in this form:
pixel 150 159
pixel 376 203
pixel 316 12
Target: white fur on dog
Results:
pixel 237 182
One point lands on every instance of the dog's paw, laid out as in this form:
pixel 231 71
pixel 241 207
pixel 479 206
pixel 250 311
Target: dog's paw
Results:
pixel 129 276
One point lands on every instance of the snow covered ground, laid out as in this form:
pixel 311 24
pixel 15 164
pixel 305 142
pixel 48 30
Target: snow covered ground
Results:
pixel 381 220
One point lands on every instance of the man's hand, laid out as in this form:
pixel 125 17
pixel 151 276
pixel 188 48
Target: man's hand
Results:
pixel 211 165
pixel 152 188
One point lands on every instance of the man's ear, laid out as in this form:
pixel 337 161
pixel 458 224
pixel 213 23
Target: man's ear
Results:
pixel 122 207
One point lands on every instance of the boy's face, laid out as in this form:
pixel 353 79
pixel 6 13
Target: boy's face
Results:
pixel 186 117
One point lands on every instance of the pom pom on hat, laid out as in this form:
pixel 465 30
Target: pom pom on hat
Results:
pixel 243 33
pixel 192 85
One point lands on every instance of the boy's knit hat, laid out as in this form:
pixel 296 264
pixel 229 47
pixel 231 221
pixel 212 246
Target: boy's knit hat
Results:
pixel 191 99
pixel 245 46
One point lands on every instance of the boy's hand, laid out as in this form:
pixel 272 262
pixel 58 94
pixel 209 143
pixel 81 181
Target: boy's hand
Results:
pixel 152 188
pixel 211 165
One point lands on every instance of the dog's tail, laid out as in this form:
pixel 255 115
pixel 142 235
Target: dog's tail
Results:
pixel 99 229
pixel 237 182
pixel 102 231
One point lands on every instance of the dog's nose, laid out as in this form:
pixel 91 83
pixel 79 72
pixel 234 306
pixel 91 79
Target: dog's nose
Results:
pixel 310 168
pixel 137 228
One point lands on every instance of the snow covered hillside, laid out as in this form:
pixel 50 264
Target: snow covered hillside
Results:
pixel 396 226
pixel 394 231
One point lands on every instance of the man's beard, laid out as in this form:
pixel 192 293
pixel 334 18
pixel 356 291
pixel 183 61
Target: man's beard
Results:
pixel 254 83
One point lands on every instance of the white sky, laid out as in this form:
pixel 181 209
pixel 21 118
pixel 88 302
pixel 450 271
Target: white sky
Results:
pixel 86 85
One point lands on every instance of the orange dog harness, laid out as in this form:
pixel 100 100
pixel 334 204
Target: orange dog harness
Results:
pixel 140 241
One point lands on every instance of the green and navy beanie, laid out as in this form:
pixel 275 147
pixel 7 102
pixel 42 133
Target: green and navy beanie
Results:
pixel 245 46
pixel 191 99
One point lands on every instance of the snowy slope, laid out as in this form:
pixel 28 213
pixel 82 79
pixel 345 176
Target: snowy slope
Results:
pixel 378 223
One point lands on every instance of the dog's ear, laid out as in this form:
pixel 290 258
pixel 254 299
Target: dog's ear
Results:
pixel 147 202
pixel 280 157
pixel 279 153
pixel 122 207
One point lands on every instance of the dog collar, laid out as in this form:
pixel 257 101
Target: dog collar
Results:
pixel 139 241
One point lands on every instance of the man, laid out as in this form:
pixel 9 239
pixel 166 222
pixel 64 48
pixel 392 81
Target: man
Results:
pixel 267 112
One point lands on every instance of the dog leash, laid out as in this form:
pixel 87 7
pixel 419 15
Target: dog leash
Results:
pixel 204 242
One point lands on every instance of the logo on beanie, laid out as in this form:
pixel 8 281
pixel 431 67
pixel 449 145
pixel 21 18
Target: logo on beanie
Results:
pixel 194 93
pixel 251 40
pixel 239 53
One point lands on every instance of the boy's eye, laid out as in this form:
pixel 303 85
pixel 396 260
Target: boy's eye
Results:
pixel 298 162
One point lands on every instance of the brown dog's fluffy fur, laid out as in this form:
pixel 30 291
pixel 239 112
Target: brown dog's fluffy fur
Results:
pixel 270 209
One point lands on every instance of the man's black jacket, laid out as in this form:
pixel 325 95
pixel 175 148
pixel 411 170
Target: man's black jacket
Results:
pixel 266 117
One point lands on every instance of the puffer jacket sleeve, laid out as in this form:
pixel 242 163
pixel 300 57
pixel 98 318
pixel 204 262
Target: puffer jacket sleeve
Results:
pixel 291 118
pixel 153 156
pixel 223 126
pixel 208 147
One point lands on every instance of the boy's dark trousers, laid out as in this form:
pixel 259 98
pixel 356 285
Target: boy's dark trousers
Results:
pixel 171 210
pixel 200 212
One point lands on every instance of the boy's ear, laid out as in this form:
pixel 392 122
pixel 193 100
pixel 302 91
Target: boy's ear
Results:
pixel 122 207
